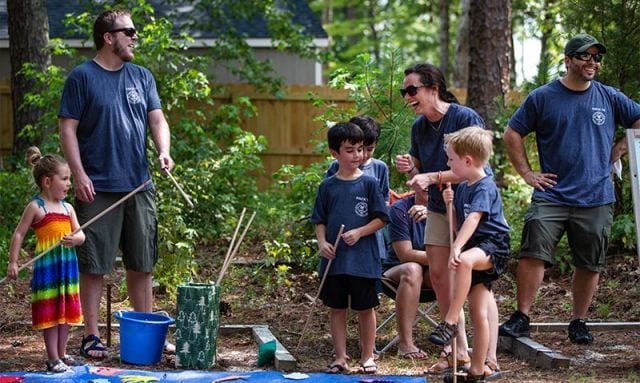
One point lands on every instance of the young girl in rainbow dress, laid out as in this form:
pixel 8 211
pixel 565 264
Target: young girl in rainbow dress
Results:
pixel 55 300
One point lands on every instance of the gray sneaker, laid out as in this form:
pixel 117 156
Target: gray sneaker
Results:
pixel 517 326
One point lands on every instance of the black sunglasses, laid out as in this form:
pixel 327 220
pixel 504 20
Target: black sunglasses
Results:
pixel 412 90
pixel 127 31
pixel 586 56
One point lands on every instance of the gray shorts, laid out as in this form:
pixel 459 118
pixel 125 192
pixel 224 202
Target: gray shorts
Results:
pixel 588 230
pixel 131 227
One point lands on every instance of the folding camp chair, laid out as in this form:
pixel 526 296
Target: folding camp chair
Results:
pixel 427 296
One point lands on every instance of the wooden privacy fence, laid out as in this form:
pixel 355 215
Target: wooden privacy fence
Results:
pixel 287 122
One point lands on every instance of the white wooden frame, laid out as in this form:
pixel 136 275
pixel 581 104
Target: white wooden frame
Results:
pixel 633 144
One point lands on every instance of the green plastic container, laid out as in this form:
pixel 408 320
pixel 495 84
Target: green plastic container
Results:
pixel 197 323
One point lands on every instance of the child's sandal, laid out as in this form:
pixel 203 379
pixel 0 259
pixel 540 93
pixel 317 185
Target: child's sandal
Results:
pixel 57 366
pixel 69 361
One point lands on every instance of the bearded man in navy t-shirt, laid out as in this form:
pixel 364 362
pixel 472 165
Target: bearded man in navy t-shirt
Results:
pixel 574 120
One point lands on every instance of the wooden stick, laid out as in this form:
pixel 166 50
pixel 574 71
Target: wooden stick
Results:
pixel 235 250
pixel 454 345
pixel 89 222
pixel 324 277
pixel 231 244
pixel 108 314
pixel 184 195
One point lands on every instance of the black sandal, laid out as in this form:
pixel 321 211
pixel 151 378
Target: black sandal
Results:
pixel 443 334
pixel 96 345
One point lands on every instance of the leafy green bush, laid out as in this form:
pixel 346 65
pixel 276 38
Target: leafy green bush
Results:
pixel 17 190
pixel 294 238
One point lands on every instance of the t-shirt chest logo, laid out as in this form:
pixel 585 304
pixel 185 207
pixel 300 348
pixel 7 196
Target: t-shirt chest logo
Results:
pixel 133 96
pixel 362 209
pixel 598 118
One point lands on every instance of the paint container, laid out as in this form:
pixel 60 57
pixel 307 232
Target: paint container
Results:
pixel 142 336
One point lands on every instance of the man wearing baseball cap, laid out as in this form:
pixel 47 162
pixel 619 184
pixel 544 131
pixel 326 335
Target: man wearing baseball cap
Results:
pixel 574 120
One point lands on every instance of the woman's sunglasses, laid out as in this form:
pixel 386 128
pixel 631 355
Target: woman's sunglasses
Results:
pixel 127 31
pixel 411 90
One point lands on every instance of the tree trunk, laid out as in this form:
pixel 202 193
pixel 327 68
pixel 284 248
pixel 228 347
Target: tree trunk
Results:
pixel 371 16
pixel 490 56
pixel 444 37
pixel 28 40
pixel 461 65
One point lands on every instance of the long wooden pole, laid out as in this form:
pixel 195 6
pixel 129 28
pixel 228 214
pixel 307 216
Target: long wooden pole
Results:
pixel 89 222
pixel 231 244
pixel 324 277
pixel 184 195
pixel 454 345
pixel 235 249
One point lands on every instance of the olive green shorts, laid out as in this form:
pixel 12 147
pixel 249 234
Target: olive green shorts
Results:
pixel 131 227
pixel 436 232
pixel 588 230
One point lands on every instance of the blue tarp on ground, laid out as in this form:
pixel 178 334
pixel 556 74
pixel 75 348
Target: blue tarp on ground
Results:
pixel 95 374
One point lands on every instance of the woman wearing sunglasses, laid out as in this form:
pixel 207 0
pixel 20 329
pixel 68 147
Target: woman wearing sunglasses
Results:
pixel 439 113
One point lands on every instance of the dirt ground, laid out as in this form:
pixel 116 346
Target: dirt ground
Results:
pixel 613 357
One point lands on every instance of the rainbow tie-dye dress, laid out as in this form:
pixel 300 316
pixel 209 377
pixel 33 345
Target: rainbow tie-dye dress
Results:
pixel 55 295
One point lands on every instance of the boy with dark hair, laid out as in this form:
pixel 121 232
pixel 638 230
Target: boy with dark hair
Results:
pixel 370 166
pixel 352 199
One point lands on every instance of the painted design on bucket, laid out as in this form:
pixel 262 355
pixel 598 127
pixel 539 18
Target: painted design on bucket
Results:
pixel 197 325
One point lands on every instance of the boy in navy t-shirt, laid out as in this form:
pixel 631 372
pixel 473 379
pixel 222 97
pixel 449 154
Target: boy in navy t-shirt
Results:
pixel 352 199
pixel 480 250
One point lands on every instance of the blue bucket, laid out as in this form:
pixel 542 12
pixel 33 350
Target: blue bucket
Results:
pixel 142 336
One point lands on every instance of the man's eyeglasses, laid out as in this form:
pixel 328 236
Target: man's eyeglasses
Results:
pixel 586 56
pixel 411 90
pixel 127 31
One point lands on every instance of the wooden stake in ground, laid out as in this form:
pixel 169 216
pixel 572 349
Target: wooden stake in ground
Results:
pixel 236 247
pixel 89 222
pixel 324 277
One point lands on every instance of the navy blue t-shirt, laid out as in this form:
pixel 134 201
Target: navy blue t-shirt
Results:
pixel 427 145
pixel 352 203
pixel 575 133
pixel 483 196
pixel 111 108
pixel 402 227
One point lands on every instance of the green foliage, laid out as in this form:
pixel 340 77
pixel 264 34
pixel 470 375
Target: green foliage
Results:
pixel 369 27
pixel 374 86
pixel 294 240
pixel 17 189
